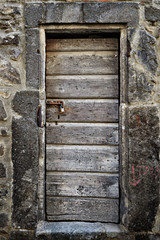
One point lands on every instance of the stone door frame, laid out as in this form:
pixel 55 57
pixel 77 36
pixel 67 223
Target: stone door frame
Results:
pixel 81 29
pixel 59 17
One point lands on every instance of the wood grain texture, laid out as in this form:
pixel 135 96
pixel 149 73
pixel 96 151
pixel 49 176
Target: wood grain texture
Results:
pixel 85 111
pixel 82 161
pixel 81 44
pixel 82 134
pixel 82 184
pixel 82 86
pixel 82 158
pixel 82 209
pixel 82 63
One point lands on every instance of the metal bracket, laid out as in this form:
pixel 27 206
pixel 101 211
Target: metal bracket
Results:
pixel 58 103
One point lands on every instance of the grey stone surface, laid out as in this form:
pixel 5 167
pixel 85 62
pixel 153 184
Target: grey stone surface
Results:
pixel 63 12
pixel 143 198
pixel 10 40
pixel 32 58
pixel 146 237
pixel 81 12
pixel 143 168
pixel 3 220
pixel 26 104
pixel 25 152
pixel 146 52
pixel 3 196
pixel 15 54
pixel 3 192
pixel 34 14
pixel 8 72
pixel 154 237
pixel 152 14
pixel 3 114
pixel 3 132
pixel 10 18
pixel 2 171
pixel 79 231
pixel 111 13
pixel 1 150
pixel 130 33
pixel 3 238
pixel 140 86
pixel 22 235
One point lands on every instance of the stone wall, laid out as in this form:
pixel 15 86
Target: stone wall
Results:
pixel 19 102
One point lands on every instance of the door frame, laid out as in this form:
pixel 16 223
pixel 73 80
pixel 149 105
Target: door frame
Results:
pixel 123 131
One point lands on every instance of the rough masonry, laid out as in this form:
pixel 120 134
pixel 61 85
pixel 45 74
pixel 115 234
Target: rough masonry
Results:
pixel 20 148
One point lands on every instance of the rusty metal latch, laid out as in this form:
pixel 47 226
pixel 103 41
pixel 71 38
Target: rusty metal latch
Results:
pixel 58 103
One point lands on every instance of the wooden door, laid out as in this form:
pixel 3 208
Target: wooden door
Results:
pixel 82 162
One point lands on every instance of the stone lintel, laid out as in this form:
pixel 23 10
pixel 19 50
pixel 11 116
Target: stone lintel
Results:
pixel 38 13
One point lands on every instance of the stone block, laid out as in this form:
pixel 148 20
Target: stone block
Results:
pixel 140 86
pixel 146 237
pixel 34 14
pixel 146 52
pixel 3 132
pixel 10 18
pixel 26 103
pixel 141 237
pixel 3 238
pixel 2 171
pixel 111 13
pixel 152 14
pixel 80 231
pixel 32 58
pixel 22 235
pixel 143 168
pixel 3 114
pixel 8 72
pixel 157 1
pixel 10 40
pixel 15 54
pixel 1 150
pixel 3 192
pixel 3 220
pixel 63 12
pixel 25 157
pixel 3 196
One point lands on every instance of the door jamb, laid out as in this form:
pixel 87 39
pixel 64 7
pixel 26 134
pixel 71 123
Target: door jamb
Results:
pixel 123 131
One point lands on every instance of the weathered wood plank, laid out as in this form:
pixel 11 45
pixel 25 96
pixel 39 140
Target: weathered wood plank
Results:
pixel 85 111
pixel 82 86
pixel 82 158
pixel 82 63
pixel 82 209
pixel 81 44
pixel 82 184
pixel 82 134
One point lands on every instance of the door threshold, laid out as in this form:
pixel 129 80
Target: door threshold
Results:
pixel 79 231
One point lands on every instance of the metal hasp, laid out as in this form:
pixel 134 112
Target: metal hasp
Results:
pixel 58 103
